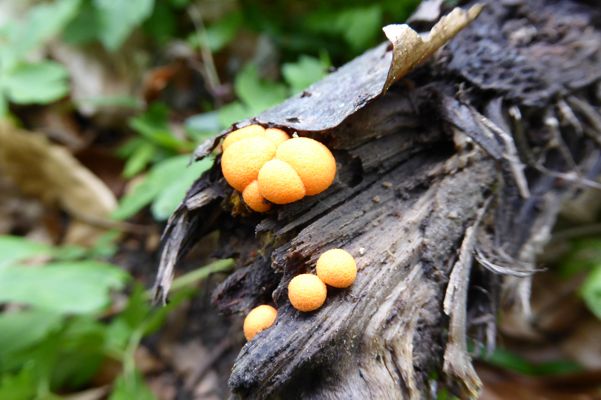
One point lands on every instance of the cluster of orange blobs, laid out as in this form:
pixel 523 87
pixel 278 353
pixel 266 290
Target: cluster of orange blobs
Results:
pixel 267 166
pixel 307 292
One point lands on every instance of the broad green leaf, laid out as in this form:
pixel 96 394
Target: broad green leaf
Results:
pixel 43 82
pixel 160 178
pixel 219 34
pixel 42 22
pixel 173 194
pixel 81 353
pixel 303 73
pixel 128 387
pixel 591 291
pixel 233 112
pixel 84 27
pixel 20 385
pixel 584 254
pixel 361 25
pixel 14 249
pixel 162 23
pixel 258 94
pixel 66 287
pixel 202 126
pixel 139 159
pixel 19 330
pixel 153 125
pixel 118 18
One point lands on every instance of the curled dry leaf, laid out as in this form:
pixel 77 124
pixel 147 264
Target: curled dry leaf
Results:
pixel 50 173
pixel 411 49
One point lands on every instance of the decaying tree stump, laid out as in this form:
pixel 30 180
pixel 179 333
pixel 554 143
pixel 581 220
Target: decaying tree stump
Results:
pixel 448 184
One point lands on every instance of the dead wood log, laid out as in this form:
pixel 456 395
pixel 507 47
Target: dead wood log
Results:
pixel 449 183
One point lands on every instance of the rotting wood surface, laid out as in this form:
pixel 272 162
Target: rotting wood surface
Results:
pixel 447 187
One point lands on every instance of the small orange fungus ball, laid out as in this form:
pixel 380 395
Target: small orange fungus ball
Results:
pixel 312 160
pixel 252 197
pixel 336 268
pixel 259 319
pixel 279 183
pixel 243 159
pixel 247 132
pixel 307 292
pixel 277 136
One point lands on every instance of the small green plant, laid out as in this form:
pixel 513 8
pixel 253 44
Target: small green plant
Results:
pixel 585 257
pixel 29 82
pixel 61 324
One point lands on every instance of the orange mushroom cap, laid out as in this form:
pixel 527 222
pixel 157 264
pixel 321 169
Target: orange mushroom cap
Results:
pixel 337 268
pixel 242 160
pixel 307 292
pixel 279 183
pixel 312 160
pixel 259 319
pixel 253 198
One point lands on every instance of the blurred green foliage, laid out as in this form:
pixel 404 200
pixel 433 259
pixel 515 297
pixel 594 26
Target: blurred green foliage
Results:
pixel 64 322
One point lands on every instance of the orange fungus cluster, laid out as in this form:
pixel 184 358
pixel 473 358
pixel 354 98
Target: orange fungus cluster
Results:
pixel 268 166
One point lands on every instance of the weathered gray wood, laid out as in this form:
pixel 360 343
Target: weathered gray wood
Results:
pixel 505 116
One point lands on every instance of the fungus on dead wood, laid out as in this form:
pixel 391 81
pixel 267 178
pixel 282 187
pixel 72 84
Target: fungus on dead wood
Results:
pixel 448 183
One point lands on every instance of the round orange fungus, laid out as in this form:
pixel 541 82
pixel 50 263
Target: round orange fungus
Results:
pixel 279 183
pixel 259 319
pixel 243 159
pixel 254 199
pixel 313 162
pixel 266 164
pixel 307 292
pixel 336 268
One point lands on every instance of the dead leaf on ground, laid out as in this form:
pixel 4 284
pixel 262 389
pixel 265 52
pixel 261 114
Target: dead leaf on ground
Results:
pixel 49 172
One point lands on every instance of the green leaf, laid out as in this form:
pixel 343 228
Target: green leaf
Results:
pixel 361 26
pixel 41 83
pixel 508 360
pixel 118 19
pixel 258 94
pixel 153 125
pixel 81 353
pixel 128 387
pixel 219 34
pixel 14 249
pixel 140 158
pixel 584 254
pixel 306 71
pixel 173 194
pixel 16 331
pixel 67 287
pixel 84 27
pixel 19 386
pixel 160 178
pixel 233 112
pixel 203 126
pixel 591 291
pixel 162 23
pixel 42 22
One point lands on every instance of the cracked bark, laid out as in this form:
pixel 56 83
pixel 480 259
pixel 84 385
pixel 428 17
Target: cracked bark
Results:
pixel 448 186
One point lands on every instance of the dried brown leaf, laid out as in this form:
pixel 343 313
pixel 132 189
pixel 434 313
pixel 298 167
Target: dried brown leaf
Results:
pixel 49 172
pixel 410 49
